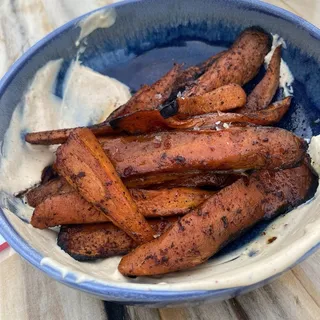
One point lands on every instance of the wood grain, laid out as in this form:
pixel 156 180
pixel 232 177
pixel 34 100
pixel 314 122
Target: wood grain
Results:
pixel 27 293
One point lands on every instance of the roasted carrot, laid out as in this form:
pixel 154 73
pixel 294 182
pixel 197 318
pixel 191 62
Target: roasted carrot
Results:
pixel 228 97
pixel 204 231
pixel 66 208
pixel 103 240
pixel 168 202
pixel 150 97
pixel 188 76
pixel 152 120
pixel 140 122
pixel 190 179
pixel 146 99
pixel 53 187
pixel 238 65
pixel 265 117
pixel 71 208
pixel 232 149
pixel 146 121
pixel 270 115
pixel 82 162
pixel 264 91
pixel 61 135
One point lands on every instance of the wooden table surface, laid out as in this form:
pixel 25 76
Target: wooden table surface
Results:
pixel 26 293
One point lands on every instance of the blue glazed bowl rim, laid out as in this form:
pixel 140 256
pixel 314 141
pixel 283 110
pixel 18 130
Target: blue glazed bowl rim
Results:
pixel 113 292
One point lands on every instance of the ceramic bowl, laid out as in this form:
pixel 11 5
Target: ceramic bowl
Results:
pixel 142 43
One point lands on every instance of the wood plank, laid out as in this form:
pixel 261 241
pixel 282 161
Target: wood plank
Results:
pixel 307 273
pixel 285 298
pixel 28 294
pixel 293 296
pixel 307 9
pixel 290 297
pixel 174 313
pixel 207 311
pixel 141 313
pixel 278 3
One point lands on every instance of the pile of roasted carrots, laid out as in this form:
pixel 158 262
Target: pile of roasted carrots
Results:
pixel 134 184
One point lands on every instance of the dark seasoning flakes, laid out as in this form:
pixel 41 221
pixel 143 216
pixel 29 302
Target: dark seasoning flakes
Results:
pixel 229 215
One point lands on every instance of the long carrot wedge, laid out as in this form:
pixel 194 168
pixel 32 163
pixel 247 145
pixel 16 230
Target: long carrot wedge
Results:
pixel 189 179
pixel 51 188
pixel 71 208
pixel 264 91
pixel 61 135
pixel 238 65
pixel 82 162
pixel 152 120
pixel 268 116
pixel 225 150
pixel 192 179
pixel 204 231
pixel 168 202
pixel 90 242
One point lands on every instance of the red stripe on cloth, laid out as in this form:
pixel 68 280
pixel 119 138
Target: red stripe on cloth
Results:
pixel 4 246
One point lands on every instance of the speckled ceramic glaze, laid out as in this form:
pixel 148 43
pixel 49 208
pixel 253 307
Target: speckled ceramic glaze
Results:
pixel 146 38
